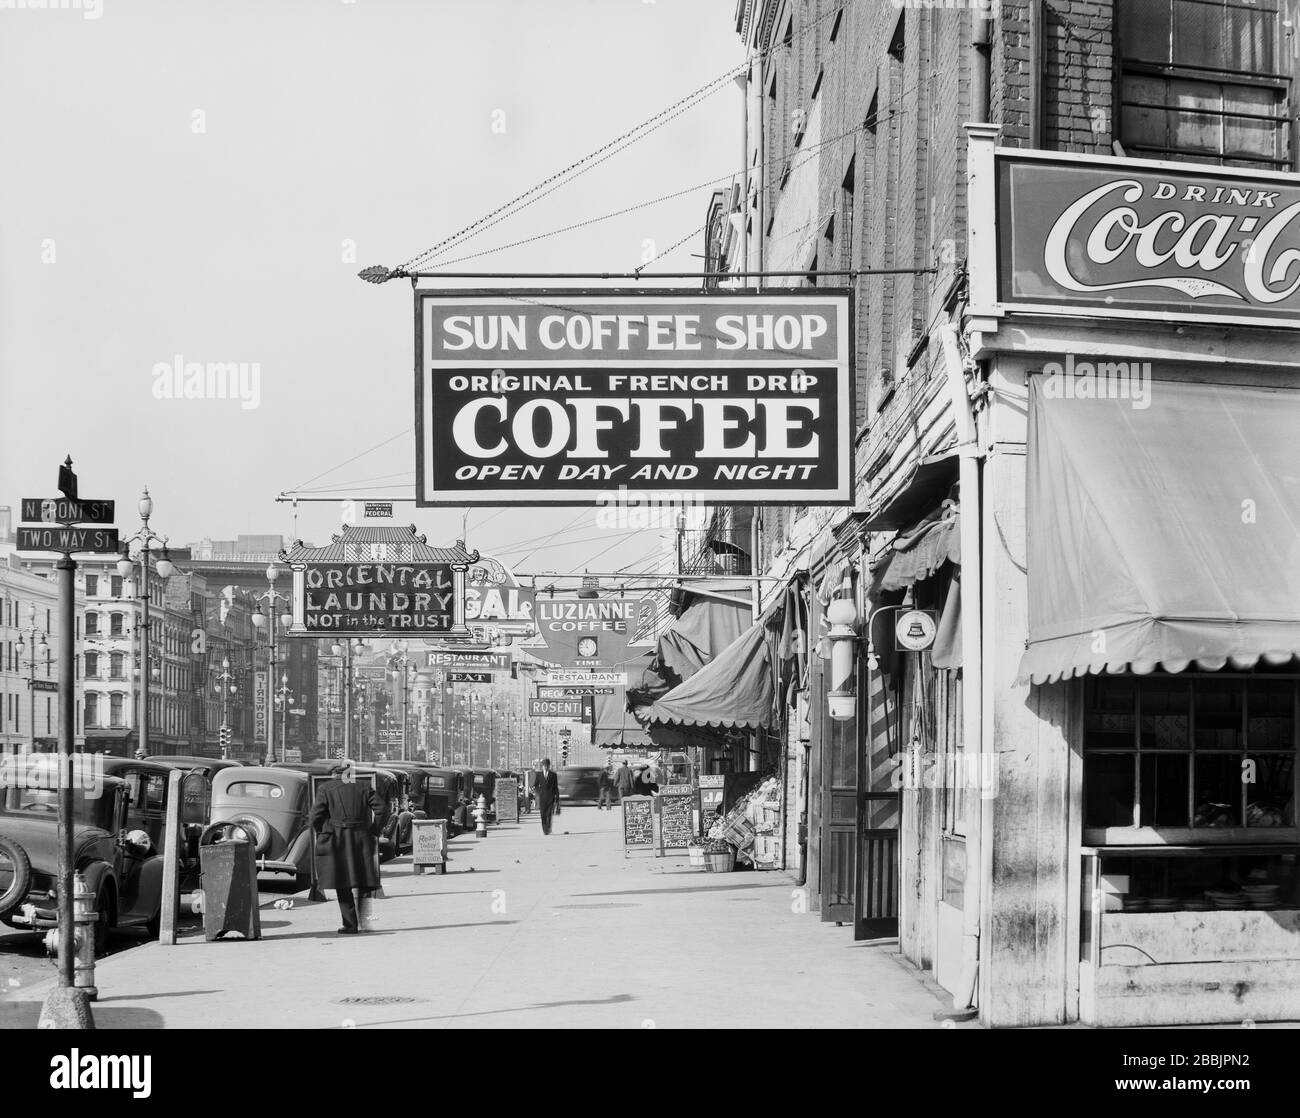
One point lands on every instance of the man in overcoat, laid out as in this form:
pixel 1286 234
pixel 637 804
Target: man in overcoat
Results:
pixel 548 794
pixel 624 783
pixel 348 817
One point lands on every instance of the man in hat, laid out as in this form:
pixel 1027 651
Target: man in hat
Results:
pixel 347 817
pixel 548 794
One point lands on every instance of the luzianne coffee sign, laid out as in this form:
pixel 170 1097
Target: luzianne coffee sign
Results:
pixel 1135 238
pixel 573 397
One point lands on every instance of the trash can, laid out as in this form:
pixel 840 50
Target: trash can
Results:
pixel 228 878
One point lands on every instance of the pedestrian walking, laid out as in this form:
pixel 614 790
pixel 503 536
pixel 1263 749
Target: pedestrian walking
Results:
pixel 548 794
pixel 624 784
pixel 605 791
pixel 348 817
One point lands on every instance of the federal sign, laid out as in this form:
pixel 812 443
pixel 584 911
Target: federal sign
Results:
pixel 382 599
pixel 915 629
pixel 377 510
pixel 718 399
pixel 93 540
pixel 1146 239
pixel 555 708
pixel 469 661
pixel 571 678
pixel 469 677
pixel 61 510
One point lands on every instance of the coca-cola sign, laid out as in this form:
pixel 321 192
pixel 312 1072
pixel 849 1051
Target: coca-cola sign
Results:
pixel 1135 238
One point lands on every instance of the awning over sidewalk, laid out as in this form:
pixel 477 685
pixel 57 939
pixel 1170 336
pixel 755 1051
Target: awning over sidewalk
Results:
pixel 704 629
pixel 733 690
pixel 1163 535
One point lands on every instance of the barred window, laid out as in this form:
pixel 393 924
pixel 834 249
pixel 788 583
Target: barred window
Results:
pixel 1201 80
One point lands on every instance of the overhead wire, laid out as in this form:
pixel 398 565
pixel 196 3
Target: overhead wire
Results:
pixel 626 140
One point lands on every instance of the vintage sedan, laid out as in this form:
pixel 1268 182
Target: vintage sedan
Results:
pixel 118 809
pixel 273 805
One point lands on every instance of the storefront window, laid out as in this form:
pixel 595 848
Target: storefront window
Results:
pixel 1201 754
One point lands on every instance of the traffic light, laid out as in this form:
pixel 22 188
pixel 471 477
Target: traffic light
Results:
pixel 224 737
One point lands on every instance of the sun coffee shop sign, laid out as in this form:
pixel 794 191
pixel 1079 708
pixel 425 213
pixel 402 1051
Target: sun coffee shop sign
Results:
pixel 567 397
pixel 1145 239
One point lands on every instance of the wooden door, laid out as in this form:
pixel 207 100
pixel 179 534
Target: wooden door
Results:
pixel 839 818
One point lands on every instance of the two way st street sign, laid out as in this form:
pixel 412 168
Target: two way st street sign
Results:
pixel 61 510
pixel 94 540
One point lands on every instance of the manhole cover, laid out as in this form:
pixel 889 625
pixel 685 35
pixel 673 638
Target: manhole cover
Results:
pixel 379 999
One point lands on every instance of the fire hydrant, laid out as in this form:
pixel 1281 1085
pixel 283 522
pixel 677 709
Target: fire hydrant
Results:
pixel 480 818
pixel 84 917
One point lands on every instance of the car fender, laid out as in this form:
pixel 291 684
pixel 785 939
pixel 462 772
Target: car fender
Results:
pixel 147 902
pixel 299 852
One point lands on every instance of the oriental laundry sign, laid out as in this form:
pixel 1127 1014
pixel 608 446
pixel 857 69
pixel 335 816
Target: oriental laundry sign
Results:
pixel 1140 239
pixel 567 397
pixel 378 598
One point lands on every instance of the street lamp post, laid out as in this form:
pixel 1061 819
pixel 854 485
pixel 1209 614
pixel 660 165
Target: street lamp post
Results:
pixel 398 656
pixel 283 699
pixel 270 597
pixel 346 649
pixel 145 537
pixel 225 686
pixel 43 649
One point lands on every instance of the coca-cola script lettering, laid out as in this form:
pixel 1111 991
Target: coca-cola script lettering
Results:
pixel 1124 237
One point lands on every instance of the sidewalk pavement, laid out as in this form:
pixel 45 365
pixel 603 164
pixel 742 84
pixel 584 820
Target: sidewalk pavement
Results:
pixel 531 931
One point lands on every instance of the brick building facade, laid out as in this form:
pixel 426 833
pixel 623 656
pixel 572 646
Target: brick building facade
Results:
pixel 882 140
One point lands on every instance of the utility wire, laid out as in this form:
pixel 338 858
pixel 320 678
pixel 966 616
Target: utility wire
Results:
pixel 673 109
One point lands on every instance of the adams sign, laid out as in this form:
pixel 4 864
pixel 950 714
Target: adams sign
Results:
pixel 563 397
pixel 1143 239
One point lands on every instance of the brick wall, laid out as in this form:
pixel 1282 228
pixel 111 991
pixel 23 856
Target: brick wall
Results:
pixel 894 94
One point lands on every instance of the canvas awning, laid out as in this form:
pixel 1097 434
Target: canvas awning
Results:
pixel 1162 535
pixel 733 690
pixel 928 483
pixel 706 627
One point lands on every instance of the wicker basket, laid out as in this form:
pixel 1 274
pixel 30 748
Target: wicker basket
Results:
pixel 720 861
pixel 696 855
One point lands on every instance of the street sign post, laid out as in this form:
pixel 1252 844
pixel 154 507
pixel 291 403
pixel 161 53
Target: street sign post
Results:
pixel 44 684
pixel 68 540
pixel 61 510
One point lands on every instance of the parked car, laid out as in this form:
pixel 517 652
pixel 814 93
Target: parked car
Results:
pixel 579 783
pixel 118 807
pixel 196 793
pixel 485 784
pixel 443 791
pixel 274 804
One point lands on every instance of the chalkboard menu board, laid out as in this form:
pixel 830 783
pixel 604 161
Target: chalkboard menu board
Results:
pixel 507 794
pixel 638 822
pixel 676 825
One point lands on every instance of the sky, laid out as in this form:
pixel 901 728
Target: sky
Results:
pixel 201 182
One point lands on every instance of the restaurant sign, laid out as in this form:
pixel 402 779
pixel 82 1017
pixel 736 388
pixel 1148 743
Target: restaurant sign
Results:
pixel 577 397
pixel 1143 239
